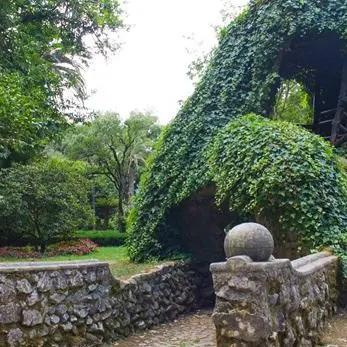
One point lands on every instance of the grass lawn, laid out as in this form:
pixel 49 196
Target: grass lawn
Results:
pixel 120 264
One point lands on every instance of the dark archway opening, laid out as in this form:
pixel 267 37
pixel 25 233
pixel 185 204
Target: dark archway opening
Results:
pixel 319 63
pixel 200 232
pixel 201 224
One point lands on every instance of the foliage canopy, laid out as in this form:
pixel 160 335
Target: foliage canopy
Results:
pixel 44 44
pixel 243 77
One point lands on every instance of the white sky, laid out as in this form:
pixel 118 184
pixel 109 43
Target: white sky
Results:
pixel 149 72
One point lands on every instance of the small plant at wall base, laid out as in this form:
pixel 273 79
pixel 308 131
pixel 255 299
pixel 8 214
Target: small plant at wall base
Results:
pixel 42 203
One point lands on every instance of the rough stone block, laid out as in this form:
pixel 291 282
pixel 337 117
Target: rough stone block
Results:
pixel 24 286
pixel 32 318
pixel 9 313
pixel 15 337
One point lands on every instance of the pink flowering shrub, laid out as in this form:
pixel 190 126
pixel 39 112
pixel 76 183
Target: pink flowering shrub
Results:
pixel 74 247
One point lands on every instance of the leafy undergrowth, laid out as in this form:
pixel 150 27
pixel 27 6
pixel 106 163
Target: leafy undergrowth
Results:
pixel 117 257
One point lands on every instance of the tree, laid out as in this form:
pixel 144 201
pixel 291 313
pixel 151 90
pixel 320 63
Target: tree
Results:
pixel 103 200
pixel 293 103
pixel 44 44
pixel 43 202
pixel 115 149
pixel 27 121
pixel 46 32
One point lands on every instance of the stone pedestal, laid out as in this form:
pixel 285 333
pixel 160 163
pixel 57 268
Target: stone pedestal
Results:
pixel 275 303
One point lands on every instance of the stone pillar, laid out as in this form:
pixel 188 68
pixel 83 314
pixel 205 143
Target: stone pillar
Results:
pixel 241 314
pixel 267 302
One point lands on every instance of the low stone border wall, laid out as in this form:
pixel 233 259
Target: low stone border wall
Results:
pixel 275 303
pixel 82 304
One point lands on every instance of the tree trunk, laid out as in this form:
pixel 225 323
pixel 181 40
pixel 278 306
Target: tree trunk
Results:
pixel 316 106
pixel 43 247
pixel 120 212
pixel 94 207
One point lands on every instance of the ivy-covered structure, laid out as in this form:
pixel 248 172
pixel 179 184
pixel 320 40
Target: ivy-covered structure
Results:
pixel 271 41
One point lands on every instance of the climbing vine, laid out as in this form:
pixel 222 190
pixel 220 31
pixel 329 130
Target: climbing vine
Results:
pixel 281 175
pixel 243 77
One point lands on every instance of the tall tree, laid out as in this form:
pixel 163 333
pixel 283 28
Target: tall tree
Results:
pixel 115 149
pixel 43 46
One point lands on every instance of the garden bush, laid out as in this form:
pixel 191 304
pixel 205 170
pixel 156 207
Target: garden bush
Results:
pixel 42 203
pixel 103 237
pixel 282 176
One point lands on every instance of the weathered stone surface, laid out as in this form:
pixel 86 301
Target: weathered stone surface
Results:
pixel 33 299
pixel 61 309
pixel 54 319
pixel 57 298
pixel 32 318
pixel 76 280
pixel 73 304
pixel 250 239
pixel 9 313
pixel 15 337
pixel 244 326
pixel 91 277
pixel 7 290
pixel 44 282
pixel 274 303
pixel 81 311
pixel 67 327
pixel 24 286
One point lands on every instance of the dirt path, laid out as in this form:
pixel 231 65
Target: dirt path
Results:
pixel 197 330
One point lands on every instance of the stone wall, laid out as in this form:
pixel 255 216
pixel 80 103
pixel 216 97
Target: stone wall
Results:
pixel 275 303
pixel 82 304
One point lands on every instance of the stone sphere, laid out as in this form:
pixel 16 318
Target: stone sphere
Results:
pixel 250 239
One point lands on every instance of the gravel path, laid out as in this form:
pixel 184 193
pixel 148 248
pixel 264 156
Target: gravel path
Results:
pixel 197 330
pixel 336 331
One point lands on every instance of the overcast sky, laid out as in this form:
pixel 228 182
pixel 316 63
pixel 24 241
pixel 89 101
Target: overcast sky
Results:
pixel 149 72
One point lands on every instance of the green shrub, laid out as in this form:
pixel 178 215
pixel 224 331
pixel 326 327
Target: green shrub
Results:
pixel 282 176
pixel 103 237
pixel 42 203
